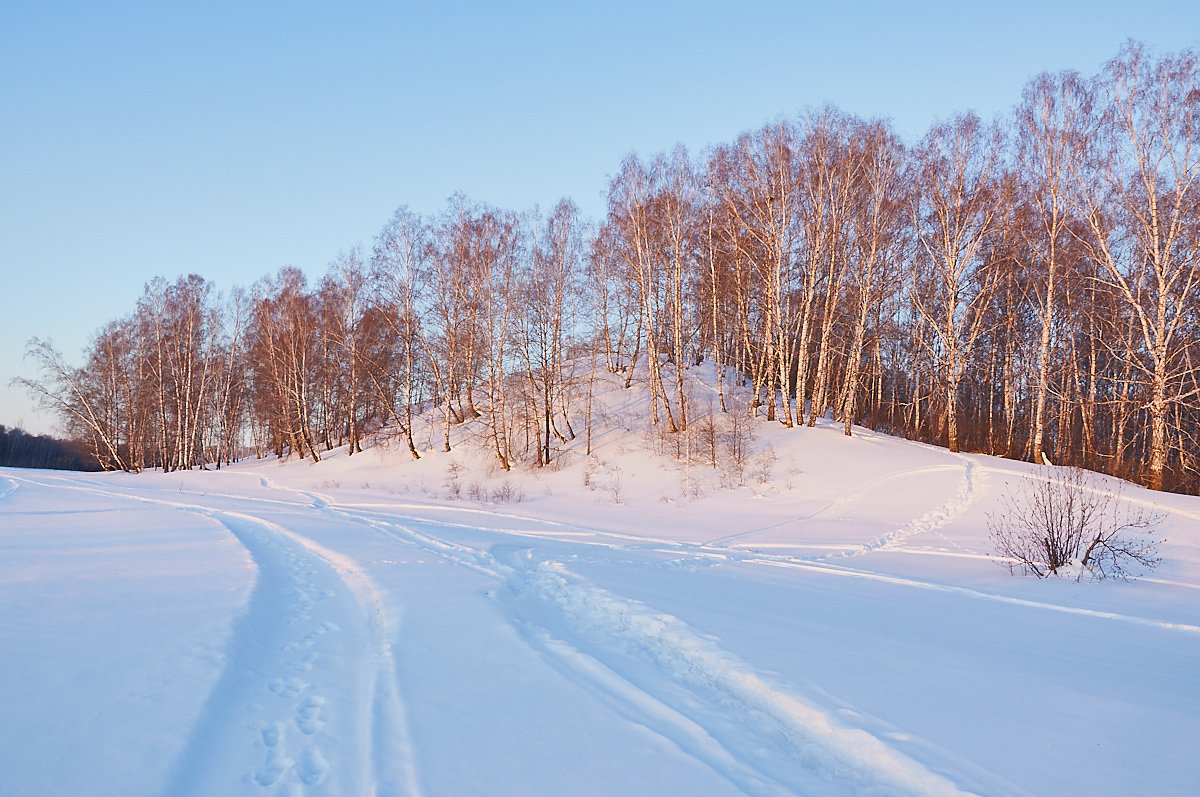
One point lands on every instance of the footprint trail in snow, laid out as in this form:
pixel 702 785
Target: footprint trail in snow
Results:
pixel 299 669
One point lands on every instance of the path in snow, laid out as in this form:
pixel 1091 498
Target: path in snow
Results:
pixel 701 697
pixel 311 651
pixel 309 659
pixel 268 711
pixel 941 515
pixel 846 500
pixel 308 699
pixel 971 486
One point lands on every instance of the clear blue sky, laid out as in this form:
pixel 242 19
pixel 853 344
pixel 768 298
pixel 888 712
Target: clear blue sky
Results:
pixel 231 138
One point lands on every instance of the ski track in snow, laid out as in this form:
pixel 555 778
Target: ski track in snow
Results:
pixel 819 748
pixel 933 520
pixel 302 652
pixel 301 584
pixel 293 663
pixel 770 712
pixel 386 761
pixel 846 500
pixel 693 554
pixel 969 490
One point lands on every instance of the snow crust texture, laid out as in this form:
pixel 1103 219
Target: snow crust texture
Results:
pixel 359 627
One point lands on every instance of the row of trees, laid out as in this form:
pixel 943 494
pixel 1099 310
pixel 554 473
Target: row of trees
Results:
pixel 20 449
pixel 1026 288
pixel 472 312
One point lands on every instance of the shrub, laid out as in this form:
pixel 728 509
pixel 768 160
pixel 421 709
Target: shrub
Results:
pixel 507 494
pixel 1062 522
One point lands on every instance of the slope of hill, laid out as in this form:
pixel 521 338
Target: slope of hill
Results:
pixel 816 615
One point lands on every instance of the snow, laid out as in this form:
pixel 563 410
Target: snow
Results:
pixel 632 624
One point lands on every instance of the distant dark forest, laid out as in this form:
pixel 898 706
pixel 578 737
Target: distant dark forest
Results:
pixel 19 449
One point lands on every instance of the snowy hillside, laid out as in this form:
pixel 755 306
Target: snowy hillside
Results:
pixel 821 617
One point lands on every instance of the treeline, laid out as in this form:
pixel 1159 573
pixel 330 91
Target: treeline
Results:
pixel 19 449
pixel 472 312
pixel 1026 287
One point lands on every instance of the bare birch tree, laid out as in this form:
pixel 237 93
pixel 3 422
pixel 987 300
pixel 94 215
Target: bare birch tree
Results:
pixel 955 207
pixel 1144 228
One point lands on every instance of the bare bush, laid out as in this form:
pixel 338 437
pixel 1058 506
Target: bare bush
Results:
pixel 736 437
pixel 599 475
pixel 761 465
pixel 452 484
pixel 663 442
pixel 507 494
pixel 1062 522
pixel 616 484
pixel 704 431
pixel 592 468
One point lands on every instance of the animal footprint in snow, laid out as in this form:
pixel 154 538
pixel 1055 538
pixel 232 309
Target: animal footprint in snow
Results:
pixel 276 764
pixel 313 767
pixel 308 716
pixel 310 638
pixel 304 663
pixel 272 733
pixel 287 687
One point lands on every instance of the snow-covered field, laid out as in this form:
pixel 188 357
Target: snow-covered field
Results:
pixel 625 624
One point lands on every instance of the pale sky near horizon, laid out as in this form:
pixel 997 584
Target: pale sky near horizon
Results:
pixel 228 139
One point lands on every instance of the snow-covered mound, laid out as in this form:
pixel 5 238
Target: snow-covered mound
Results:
pixel 743 609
